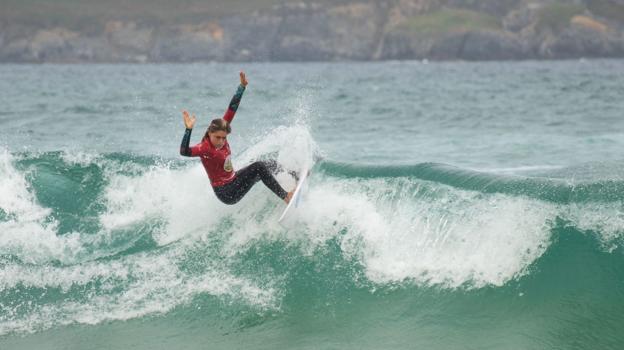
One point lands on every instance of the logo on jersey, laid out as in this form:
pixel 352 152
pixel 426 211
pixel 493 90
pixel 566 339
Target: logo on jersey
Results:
pixel 227 165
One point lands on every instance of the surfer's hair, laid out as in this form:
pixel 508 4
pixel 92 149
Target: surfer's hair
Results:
pixel 218 125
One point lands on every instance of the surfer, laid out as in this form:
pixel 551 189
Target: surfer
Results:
pixel 214 151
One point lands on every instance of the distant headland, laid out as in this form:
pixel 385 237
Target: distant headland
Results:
pixel 135 31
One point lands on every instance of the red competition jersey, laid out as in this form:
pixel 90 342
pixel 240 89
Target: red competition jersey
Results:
pixel 217 162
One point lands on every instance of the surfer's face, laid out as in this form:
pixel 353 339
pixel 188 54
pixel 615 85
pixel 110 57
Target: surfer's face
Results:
pixel 218 138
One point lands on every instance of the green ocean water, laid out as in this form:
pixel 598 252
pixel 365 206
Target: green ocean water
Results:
pixel 451 206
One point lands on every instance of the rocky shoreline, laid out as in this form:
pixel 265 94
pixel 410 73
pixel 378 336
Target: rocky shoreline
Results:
pixel 358 30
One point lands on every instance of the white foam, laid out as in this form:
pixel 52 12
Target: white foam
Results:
pixel 461 238
pixel 79 157
pixel 132 287
pixel 63 278
pixel 181 199
pixel 293 145
pixel 606 220
pixel 29 232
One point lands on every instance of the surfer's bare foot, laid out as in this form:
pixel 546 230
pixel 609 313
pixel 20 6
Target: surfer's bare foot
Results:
pixel 289 197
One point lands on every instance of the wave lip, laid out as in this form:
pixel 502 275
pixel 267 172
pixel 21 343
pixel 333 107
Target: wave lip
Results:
pixel 548 189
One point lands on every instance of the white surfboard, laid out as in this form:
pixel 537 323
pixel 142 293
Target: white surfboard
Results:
pixel 297 198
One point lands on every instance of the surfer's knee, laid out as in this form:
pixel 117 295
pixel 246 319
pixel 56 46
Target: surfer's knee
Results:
pixel 229 201
pixel 227 198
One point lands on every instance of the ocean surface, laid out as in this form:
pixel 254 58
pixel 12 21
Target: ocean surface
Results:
pixel 451 206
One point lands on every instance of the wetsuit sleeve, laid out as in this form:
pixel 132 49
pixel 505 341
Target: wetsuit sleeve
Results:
pixel 231 110
pixel 185 150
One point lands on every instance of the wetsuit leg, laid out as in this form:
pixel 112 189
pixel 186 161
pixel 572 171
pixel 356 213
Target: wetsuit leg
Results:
pixel 234 191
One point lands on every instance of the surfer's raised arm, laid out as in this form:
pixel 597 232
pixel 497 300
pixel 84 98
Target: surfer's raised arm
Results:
pixel 233 106
pixel 189 122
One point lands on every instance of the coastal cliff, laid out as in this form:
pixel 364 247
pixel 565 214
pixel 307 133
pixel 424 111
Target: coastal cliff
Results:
pixel 311 31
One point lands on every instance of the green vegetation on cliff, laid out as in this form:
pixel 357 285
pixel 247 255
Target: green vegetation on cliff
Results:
pixel 607 9
pixel 448 20
pixel 557 16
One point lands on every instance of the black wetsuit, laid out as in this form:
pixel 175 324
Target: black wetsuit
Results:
pixel 245 178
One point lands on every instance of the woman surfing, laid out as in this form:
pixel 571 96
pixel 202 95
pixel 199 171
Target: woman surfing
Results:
pixel 214 151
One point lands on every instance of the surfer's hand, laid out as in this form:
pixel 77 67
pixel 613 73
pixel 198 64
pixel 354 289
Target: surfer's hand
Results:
pixel 189 121
pixel 243 79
